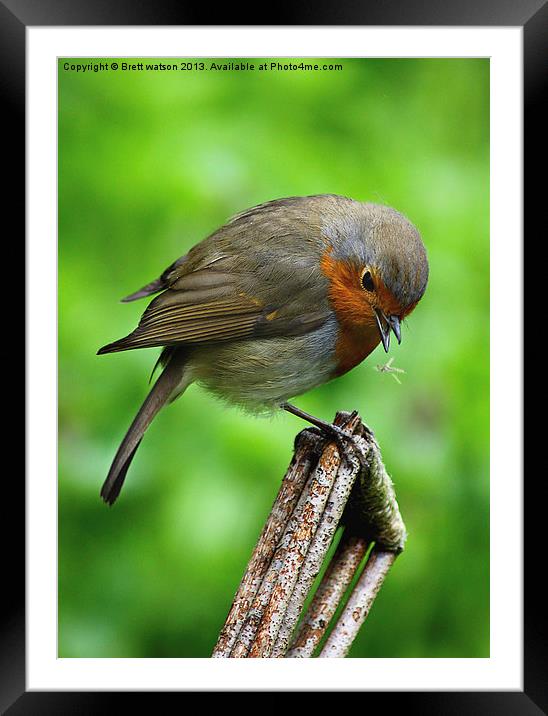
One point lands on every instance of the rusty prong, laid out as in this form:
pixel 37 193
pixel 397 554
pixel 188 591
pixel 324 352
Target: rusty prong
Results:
pixel 359 604
pixel 336 580
pixel 331 480
pixel 336 503
pixel 290 555
pixel 296 542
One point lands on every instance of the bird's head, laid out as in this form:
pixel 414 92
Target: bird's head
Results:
pixel 377 268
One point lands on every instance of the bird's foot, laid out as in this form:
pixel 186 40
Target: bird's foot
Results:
pixel 355 456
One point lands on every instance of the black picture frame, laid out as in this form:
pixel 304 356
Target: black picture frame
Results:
pixel 15 17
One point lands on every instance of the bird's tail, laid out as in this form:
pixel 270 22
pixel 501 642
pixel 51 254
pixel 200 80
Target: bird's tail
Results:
pixel 171 383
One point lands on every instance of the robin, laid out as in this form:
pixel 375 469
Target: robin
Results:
pixel 284 297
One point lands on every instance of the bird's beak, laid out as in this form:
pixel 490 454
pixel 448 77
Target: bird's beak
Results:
pixel 394 322
pixel 385 324
pixel 384 328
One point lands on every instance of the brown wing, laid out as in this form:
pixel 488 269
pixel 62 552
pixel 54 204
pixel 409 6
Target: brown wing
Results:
pixel 212 294
pixel 170 320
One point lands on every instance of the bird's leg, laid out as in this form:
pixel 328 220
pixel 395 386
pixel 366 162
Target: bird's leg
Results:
pixel 342 438
pixel 329 428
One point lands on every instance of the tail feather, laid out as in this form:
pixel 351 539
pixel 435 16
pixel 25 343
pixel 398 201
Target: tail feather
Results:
pixel 110 492
pixel 170 383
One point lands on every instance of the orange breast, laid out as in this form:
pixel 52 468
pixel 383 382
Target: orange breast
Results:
pixel 354 346
pixel 358 332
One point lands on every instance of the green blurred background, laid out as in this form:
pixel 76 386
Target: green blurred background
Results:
pixel 149 164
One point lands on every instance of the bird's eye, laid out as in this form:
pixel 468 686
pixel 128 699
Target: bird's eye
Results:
pixel 367 281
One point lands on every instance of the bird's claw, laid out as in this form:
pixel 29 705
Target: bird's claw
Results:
pixel 355 457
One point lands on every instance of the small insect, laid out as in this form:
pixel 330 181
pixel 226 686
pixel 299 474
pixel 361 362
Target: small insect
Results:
pixel 388 368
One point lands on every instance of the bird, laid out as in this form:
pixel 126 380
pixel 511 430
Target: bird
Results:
pixel 284 297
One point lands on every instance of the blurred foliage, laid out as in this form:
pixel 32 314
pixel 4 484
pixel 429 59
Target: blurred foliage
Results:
pixel 149 164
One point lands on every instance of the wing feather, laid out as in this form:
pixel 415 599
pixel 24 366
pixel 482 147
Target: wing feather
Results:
pixel 163 325
pixel 211 298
